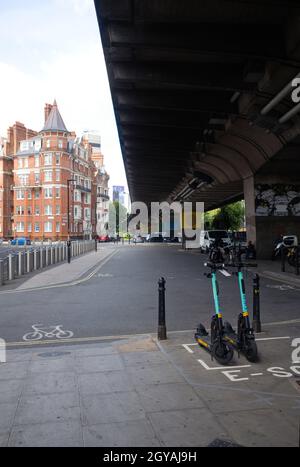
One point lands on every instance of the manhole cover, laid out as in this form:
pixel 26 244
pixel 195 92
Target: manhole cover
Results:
pixel 53 354
pixel 222 443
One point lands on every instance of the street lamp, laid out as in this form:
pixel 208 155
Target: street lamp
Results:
pixel 68 185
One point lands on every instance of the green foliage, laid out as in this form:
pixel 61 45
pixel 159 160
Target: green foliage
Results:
pixel 229 217
pixel 117 218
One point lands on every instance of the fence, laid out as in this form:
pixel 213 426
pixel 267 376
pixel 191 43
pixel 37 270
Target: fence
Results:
pixel 19 263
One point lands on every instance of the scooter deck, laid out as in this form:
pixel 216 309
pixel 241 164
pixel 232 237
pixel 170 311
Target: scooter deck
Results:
pixel 203 341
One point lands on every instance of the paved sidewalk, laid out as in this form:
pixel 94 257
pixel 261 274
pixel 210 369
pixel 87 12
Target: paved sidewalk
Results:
pixel 135 392
pixel 272 270
pixel 66 273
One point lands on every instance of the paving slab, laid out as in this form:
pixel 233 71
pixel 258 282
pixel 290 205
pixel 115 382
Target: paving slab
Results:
pixel 62 434
pixel 50 383
pixel 94 364
pixel 162 397
pixel 187 428
pixel 133 433
pixel 4 439
pixel 143 375
pixel 7 413
pixel 39 408
pixel 104 382
pixel 110 408
pixel 263 428
pixel 10 390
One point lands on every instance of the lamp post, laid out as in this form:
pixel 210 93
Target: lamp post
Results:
pixel 68 185
pixel 69 241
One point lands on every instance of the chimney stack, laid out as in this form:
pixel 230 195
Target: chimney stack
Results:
pixel 48 108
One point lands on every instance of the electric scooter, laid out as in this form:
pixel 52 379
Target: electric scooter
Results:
pixel 215 343
pixel 244 339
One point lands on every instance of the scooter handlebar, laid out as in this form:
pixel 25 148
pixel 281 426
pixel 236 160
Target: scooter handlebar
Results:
pixel 241 265
pixel 214 265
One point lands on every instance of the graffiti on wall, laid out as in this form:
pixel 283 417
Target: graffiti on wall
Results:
pixel 277 200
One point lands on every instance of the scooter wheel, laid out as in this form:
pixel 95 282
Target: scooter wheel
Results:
pixel 222 352
pixel 251 352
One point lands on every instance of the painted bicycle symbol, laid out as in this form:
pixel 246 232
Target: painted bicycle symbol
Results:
pixel 39 332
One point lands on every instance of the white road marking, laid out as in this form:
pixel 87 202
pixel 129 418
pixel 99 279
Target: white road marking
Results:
pixel 256 374
pixel 221 367
pixel 272 338
pixel 186 346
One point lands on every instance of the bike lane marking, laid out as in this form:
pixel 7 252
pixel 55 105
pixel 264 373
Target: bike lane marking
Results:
pixel 40 332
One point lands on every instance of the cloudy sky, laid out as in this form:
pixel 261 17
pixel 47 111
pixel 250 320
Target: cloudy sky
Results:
pixel 51 49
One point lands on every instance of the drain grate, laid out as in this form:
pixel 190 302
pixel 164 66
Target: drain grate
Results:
pixel 222 443
pixel 53 354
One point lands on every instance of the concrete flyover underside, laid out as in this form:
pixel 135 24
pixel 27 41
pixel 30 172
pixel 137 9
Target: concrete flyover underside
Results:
pixel 191 83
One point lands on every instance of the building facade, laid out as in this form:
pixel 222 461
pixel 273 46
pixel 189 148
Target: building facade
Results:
pixel 48 182
pixel 101 183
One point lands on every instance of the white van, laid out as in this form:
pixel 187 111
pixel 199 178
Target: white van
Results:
pixel 207 237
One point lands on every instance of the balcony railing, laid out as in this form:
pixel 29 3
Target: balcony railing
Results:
pixel 103 196
pixel 83 188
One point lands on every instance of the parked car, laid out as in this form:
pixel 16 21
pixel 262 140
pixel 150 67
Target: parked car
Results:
pixel 21 241
pixel 208 237
pixel 138 239
pixel 103 238
pixel 171 239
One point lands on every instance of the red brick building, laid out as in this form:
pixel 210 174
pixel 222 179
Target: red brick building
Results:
pixel 9 147
pixel 41 175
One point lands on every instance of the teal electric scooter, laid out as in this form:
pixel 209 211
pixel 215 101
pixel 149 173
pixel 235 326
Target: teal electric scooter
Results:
pixel 216 343
pixel 244 339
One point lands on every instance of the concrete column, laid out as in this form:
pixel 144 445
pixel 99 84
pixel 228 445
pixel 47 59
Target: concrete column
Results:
pixel 249 195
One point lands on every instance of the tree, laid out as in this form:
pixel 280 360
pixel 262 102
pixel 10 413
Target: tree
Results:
pixel 229 217
pixel 117 218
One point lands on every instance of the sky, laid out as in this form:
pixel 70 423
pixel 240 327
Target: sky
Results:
pixel 51 49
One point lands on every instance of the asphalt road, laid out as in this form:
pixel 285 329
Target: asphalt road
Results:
pixel 122 298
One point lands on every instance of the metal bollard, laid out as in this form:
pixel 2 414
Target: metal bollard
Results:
pixel 256 323
pixel 162 330
pixel 20 264
pixel 1 272
pixel 96 245
pixel 297 260
pixel 28 261
pixel 283 258
pixel 69 251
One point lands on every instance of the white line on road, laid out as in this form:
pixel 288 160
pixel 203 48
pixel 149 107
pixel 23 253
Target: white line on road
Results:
pixel 221 367
pixel 272 338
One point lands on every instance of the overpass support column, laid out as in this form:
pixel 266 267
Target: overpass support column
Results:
pixel 249 196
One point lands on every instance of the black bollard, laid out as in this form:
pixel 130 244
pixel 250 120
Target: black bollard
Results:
pixel 256 323
pixel 69 250
pixel 162 330
pixel 297 260
pixel 283 257
pixel 96 244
